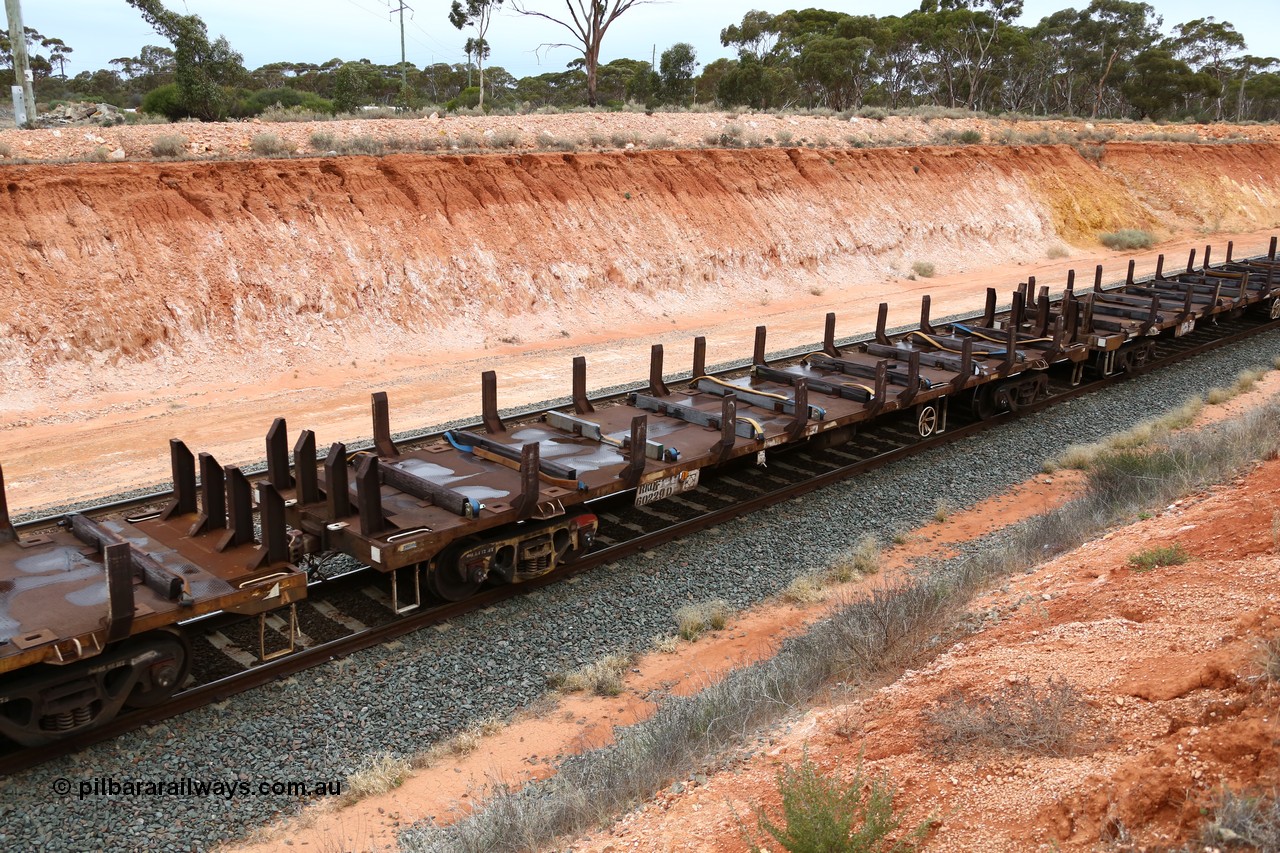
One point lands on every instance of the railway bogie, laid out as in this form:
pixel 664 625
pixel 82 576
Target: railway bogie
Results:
pixel 89 610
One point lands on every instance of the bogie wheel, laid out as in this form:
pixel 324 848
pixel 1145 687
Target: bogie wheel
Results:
pixel 449 580
pixel 984 404
pixel 927 421
pixel 164 673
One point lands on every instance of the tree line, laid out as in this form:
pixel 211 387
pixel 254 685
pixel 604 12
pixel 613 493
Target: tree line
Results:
pixel 1111 59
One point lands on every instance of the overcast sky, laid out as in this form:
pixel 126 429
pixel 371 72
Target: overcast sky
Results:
pixel 266 31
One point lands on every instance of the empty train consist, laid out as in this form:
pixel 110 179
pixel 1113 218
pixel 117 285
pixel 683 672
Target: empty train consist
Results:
pixel 92 610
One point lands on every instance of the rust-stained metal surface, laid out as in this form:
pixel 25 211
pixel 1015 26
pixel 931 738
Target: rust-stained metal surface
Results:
pixel 508 502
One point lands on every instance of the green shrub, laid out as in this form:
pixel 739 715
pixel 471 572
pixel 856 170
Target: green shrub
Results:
pixel 507 137
pixel 269 145
pixel 822 814
pixel 165 101
pixel 283 104
pixel 364 145
pixel 1126 239
pixel 323 140
pixel 1164 555
pixel 169 145
pixel 924 269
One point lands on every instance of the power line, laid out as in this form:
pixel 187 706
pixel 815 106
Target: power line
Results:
pixel 404 71
pixel 410 36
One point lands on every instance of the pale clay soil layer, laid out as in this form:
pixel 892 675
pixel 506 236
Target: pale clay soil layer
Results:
pixel 1166 662
pixel 199 299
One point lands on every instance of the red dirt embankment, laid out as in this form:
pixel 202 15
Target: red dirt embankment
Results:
pixel 236 267
pixel 143 301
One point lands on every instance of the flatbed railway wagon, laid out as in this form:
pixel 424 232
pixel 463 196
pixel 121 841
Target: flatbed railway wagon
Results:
pixel 93 611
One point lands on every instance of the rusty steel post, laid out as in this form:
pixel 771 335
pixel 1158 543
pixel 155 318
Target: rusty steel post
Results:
pixel 7 533
pixel 699 357
pixel 183 467
pixel 657 387
pixel 757 355
pixel 1160 267
pixel 275 539
pixel 304 468
pixel 336 487
pixel 728 423
pixel 966 366
pixel 581 405
pixel 213 497
pixel 800 419
pixel 1097 279
pixel 526 503
pixel 369 496
pixel 925 302
pixel 278 455
pixel 636 450
pixel 882 317
pixel 489 402
pixel 989 312
pixel 239 509
pixel 120 605
pixel 829 335
pixel 382 426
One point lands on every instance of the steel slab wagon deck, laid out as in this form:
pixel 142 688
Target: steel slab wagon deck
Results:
pixel 91 612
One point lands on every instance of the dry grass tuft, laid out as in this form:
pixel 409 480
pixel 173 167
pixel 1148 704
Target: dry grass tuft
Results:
pixel 667 644
pixel 269 145
pixel 1245 820
pixel 806 589
pixel 463 743
pixel 943 511
pixel 380 774
pixel 863 560
pixel 1127 239
pixel 1018 718
pixel 603 678
pixel 1269 658
pixel 1081 457
pixel 169 145
pixel 693 620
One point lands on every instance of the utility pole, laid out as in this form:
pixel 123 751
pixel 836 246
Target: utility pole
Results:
pixel 404 71
pixel 22 95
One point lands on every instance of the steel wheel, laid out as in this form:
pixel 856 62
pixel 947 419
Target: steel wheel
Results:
pixel 164 674
pixel 449 580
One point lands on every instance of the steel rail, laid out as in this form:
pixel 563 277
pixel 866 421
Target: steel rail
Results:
pixel 220 689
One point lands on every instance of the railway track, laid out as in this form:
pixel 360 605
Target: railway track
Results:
pixel 347 612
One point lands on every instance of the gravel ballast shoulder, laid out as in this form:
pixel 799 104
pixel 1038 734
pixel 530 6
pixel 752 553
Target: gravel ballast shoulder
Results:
pixel 403 696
